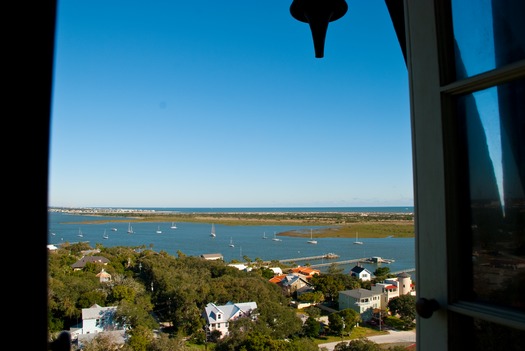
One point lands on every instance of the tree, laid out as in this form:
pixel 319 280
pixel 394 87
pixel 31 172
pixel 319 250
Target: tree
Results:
pixel 358 345
pixel 101 342
pixel 329 284
pixel 350 319
pixel 312 311
pixel 336 324
pixel 335 268
pixel 405 307
pixel 312 297
pixel 381 273
pixel 140 338
pixel 311 327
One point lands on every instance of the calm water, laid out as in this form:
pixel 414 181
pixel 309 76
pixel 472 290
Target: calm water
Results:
pixel 193 239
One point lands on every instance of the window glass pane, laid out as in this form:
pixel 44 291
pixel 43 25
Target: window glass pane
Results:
pixel 486 336
pixel 493 141
pixel 488 34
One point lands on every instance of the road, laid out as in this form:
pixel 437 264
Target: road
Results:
pixel 391 338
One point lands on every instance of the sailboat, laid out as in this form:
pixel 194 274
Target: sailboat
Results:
pixel 311 241
pixel 158 230
pixel 212 234
pixel 80 233
pixel 231 243
pixel 130 229
pixel 357 242
pixel 173 225
pixel 264 236
pixel 105 236
pixel 275 238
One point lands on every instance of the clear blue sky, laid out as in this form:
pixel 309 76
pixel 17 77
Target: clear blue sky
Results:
pixel 223 104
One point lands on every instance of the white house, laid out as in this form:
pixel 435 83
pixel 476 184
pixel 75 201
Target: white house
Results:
pixel 219 317
pixel 363 301
pixel 96 319
pixel 361 273
pixel 388 291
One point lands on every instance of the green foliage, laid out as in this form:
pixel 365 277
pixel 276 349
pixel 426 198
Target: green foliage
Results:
pixel 381 273
pixel 329 285
pixel 313 311
pixel 350 319
pixel 405 307
pixel 335 324
pixel 140 338
pixel 311 327
pixel 358 345
pixel 335 268
pixel 313 297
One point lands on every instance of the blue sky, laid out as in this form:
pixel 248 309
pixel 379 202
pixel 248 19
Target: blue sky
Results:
pixel 223 104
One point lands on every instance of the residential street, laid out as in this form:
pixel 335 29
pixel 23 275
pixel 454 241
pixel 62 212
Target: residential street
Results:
pixel 391 338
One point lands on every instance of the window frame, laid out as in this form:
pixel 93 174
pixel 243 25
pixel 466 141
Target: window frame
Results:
pixel 430 63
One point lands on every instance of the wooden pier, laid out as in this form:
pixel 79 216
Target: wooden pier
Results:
pixel 338 262
pixel 328 256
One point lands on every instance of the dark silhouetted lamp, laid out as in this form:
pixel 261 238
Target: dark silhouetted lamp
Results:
pixel 317 13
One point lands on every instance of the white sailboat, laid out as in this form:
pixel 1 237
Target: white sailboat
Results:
pixel 212 234
pixel 311 241
pixel 158 230
pixel 275 238
pixel 130 229
pixel 357 242
pixel 231 243
pixel 173 225
pixel 105 236
pixel 264 236
pixel 80 235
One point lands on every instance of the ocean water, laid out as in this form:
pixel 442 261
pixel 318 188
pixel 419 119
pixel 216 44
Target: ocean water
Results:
pixel 193 239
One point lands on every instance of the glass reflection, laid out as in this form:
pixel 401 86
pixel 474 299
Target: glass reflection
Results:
pixel 487 35
pixel 494 135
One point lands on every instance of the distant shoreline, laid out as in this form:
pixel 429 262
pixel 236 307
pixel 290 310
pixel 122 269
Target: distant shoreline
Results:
pixel 336 224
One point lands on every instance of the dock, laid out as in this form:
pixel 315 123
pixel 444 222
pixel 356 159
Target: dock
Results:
pixel 328 256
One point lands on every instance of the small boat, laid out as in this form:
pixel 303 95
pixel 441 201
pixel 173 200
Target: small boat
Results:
pixel 212 234
pixel 113 229
pixel 311 241
pixel 357 242
pixel 173 225
pixel 130 229
pixel 53 233
pixel 231 243
pixel 264 236
pixel 105 236
pixel 158 230
pixel 275 238
pixel 80 235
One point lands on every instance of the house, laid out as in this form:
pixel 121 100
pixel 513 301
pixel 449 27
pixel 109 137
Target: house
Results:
pixel 394 287
pixel 80 264
pixel 361 273
pixel 212 257
pixel 363 301
pixel 290 283
pixel 95 320
pixel 104 276
pixel 276 270
pixel 306 271
pixel 219 317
